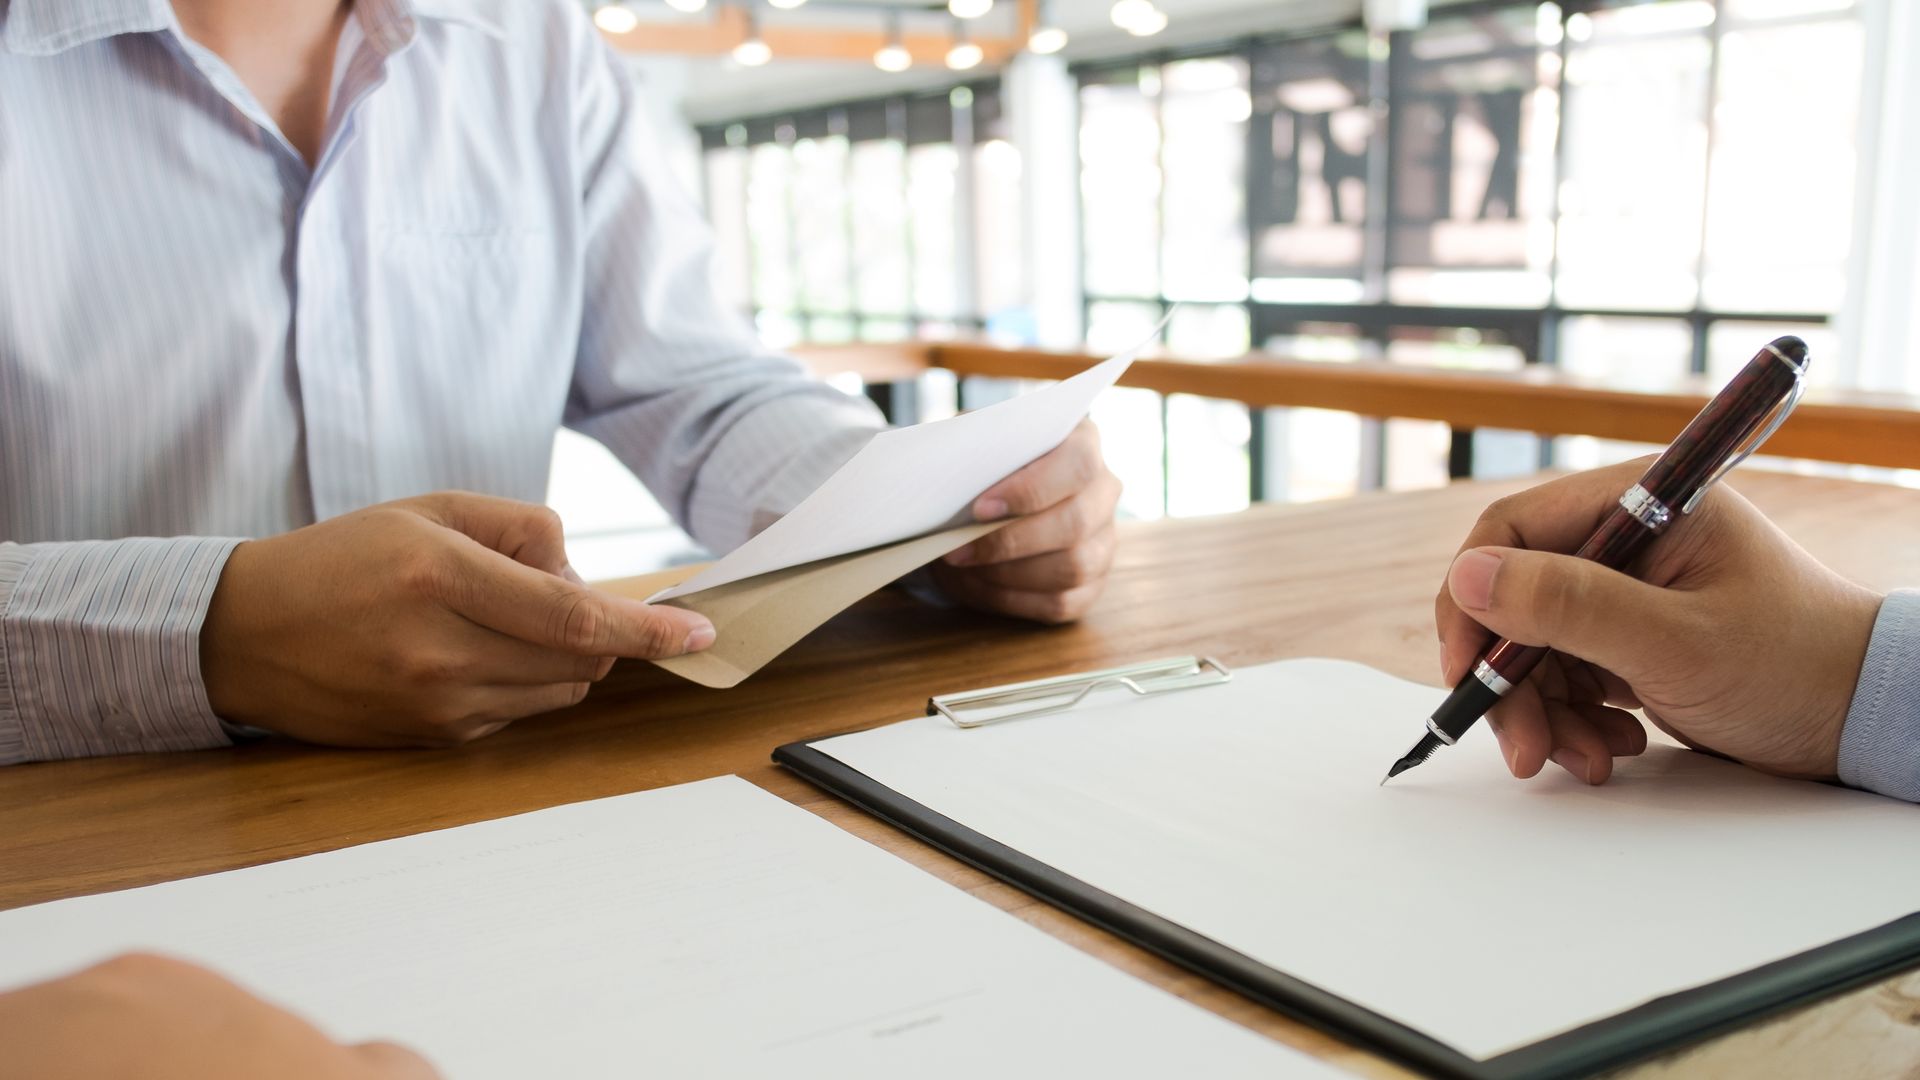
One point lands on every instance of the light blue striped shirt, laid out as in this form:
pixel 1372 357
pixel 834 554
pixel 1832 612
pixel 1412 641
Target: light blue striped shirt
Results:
pixel 202 339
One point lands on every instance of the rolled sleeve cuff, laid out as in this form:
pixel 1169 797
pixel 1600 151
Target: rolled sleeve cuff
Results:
pixel 100 647
pixel 1880 744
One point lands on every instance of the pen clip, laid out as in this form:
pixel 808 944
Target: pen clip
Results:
pixel 1780 414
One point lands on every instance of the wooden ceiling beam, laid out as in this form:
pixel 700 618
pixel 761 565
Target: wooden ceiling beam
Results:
pixel 728 25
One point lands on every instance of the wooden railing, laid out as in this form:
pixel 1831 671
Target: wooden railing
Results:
pixel 1843 426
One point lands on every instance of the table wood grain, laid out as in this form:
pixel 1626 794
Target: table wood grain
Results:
pixel 1353 579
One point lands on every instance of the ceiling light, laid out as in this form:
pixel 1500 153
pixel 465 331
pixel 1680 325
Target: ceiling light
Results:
pixel 1138 17
pixel 786 5
pixel 1148 24
pixel 752 52
pixel 615 19
pixel 964 55
pixel 969 9
pixel 688 6
pixel 893 57
pixel 1047 39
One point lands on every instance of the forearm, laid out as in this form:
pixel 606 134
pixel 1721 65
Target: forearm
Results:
pixel 100 647
pixel 1880 745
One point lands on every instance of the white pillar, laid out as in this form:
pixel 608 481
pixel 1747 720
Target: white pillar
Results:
pixel 1041 100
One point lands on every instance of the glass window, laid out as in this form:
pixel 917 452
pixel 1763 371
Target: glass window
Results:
pixel 1473 122
pixel 1650 354
pixel 931 172
pixel 1116 326
pixel 726 169
pixel 998 230
pixel 770 224
pixel 1133 441
pixel 822 234
pixel 1785 114
pixel 1208 332
pixel 877 181
pixel 1204 107
pixel 1207 456
pixel 1635 153
pixel 1120 183
pixel 1308 200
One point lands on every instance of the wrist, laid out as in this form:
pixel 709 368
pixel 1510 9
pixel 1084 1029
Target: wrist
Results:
pixel 1879 746
pixel 225 668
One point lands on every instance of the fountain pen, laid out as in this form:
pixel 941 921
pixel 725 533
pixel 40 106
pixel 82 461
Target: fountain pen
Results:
pixel 1757 400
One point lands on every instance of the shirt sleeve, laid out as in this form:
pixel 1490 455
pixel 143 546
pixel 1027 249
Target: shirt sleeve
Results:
pixel 727 434
pixel 100 647
pixel 1880 743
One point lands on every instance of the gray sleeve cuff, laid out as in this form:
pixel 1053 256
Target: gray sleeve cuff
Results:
pixel 1880 744
pixel 100 646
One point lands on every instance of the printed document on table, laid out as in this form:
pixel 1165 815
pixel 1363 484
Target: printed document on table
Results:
pixel 710 929
pixel 911 481
pixel 1487 912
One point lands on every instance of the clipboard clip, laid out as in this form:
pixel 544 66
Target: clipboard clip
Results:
pixel 977 708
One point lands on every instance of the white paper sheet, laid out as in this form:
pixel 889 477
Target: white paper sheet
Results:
pixel 914 480
pixel 710 930
pixel 1487 912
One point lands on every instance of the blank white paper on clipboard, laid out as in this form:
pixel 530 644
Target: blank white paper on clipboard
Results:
pixel 1487 912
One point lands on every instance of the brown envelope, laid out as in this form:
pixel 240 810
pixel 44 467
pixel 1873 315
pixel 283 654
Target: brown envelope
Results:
pixel 761 617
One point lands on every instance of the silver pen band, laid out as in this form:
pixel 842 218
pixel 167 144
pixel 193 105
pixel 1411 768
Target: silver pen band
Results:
pixel 1646 509
pixel 1491 679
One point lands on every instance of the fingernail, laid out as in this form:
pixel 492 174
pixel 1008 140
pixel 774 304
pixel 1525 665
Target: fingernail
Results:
pixel 960 556
pixel 701 637
pixel 989 510
pixel 1445 674
pixel 1575 763
pixel 1471 579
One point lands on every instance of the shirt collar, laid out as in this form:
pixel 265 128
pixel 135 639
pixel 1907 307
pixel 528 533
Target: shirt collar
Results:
pixel 45 27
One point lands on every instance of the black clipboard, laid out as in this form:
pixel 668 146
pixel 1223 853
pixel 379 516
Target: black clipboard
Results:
pixel 1664 1024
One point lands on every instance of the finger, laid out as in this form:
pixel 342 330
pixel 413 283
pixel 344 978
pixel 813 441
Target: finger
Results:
pixel 1557 516
pixel 1622 731
pixel 1578 746
pixel 1520 719
pixel 527 533
pixel 489 657
pixel 1083 564
pixel 1575 606
pixel 1039 606
pixel 1057 528
pixel 390 1061
pixel 1052 477
pixel 544 609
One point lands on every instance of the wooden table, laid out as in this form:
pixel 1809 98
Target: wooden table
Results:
pixel 1352 579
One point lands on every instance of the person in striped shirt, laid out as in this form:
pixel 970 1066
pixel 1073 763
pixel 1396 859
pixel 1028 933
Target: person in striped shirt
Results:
pixel 293 299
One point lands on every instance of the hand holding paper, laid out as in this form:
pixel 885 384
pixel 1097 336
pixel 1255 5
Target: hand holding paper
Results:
pixel 907 498
pixel 1051 565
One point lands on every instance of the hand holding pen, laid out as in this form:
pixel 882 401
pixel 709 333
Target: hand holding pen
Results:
pixel 1732 638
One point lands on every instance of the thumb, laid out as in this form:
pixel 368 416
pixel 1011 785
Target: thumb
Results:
pixel 1572 605
pixel 389 1061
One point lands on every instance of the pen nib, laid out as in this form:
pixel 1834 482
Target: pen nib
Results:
pixel 1421 751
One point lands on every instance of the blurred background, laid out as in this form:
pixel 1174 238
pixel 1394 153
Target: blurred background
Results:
pixel 1612 193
